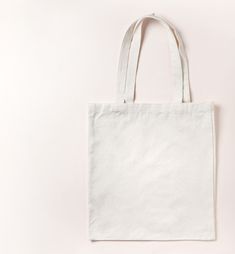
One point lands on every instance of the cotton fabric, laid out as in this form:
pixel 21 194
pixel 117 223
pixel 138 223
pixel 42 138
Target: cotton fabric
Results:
pixel 151 166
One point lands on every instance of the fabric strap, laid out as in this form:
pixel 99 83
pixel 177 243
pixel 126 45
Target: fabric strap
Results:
pixel 129 58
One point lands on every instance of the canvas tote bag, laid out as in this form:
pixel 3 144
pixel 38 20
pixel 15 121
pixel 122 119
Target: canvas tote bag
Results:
pixel 151 166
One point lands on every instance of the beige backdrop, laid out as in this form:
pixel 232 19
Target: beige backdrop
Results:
pixel 58 55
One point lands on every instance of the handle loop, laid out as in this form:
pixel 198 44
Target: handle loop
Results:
pixel 129 58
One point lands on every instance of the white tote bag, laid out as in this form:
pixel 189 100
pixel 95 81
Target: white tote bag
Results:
pixel 151 166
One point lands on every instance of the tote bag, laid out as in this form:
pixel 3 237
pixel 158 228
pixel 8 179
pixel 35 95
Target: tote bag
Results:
pixel 151 166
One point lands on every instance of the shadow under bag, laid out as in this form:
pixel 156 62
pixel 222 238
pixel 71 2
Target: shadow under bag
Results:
pixel 151 166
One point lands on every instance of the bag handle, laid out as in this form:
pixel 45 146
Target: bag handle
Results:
pixel 129 57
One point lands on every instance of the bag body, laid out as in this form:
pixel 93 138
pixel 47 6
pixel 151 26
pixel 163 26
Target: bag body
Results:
pixel 151 166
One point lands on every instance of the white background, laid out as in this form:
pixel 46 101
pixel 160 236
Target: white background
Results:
pixel 58 55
